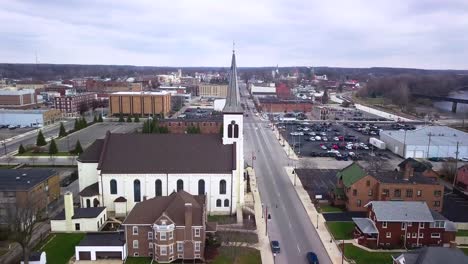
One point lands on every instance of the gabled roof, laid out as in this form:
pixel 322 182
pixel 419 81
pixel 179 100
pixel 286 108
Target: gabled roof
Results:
pixel 162 153
pixel 418 165
pixel 92 153
pixel 366 225
pixel 91 190
pixel 401 211
pixel 148 211
pixel 351 174
pixel 435 255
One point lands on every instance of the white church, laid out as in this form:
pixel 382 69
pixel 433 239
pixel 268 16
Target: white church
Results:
pixel 123 169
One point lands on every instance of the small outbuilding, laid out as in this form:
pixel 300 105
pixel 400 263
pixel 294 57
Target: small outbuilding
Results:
pixel 103 245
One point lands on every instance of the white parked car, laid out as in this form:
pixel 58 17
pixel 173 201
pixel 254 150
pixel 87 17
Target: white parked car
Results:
pixel 336 139
pixel 312 139
pixel 318 138
pixel 324 138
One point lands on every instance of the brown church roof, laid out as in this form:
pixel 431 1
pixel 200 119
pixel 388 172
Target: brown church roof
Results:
pixel 162 153
pixel 147 212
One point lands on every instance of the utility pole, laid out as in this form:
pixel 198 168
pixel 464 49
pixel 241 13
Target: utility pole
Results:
pixel 404 145
pixel 294 172
pixel 266 220
pixel 456 167
pixel 429 145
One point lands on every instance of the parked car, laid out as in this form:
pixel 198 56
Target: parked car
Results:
pixel 336 139
pixel 323 147
pixel 436 159
pixel 318 138
pixel 324 138
pixel 313 154
pixel 275 246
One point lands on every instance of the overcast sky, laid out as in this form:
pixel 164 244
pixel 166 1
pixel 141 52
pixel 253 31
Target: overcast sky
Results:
pixel 349 33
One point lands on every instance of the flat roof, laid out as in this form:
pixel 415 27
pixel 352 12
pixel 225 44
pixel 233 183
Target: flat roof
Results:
pixel 89 212
pixel 23 179
pixel 440 136
pixel 103 239
pixel 140 93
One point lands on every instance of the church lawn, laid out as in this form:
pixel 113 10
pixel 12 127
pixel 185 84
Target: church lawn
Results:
pixel 243 255
pixel 341 230
pixel 326 208
pixel 361 256
pixel 60 247
pixel 222 219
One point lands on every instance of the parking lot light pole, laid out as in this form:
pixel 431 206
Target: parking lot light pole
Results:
pixel 317 218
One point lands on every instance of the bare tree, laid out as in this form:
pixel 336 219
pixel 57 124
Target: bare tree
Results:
pixel 375 164
pixel 22 217
pixel 449 169
pixel 9 159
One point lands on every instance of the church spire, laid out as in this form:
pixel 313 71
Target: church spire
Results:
pixel 233 98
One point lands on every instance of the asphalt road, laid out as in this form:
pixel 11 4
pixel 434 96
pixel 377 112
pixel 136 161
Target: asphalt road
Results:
pixel 289 222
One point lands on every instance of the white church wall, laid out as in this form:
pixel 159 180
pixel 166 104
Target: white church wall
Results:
pixel 87 174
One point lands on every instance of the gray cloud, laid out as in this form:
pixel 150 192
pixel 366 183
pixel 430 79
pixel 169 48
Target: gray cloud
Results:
pixel 359 33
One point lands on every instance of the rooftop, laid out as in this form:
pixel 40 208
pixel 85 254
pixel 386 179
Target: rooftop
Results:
pixel 103 239
pixel 366 225
pixel 351 174
pixel 147 212
pixel 440 136
pixel 170 153
pixel 397 177
pixel 23 179
pixel 140 93
pixel 434 255
pixel 90 212
pixel 401 211
pixel 91 190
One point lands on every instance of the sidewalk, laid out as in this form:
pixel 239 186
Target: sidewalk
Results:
pixel 263 240
pixel 284 143
pixel 325 237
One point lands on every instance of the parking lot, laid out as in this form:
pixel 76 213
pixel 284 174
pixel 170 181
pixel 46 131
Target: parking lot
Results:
pixel 318 181
pixel 350 114
pixel 326 139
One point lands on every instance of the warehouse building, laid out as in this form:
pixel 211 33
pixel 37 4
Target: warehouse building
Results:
pixel 427 142
pixel 140 103
pixel 213 90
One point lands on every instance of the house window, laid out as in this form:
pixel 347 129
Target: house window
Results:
pixel 397 193
pixel 77 227
pixel 163 250
pixel 135 243
pixel 419 193
pixel 197 246
pixel 222 187
pixel 180 185
pixel 388 235
pixel 385 192
pixel 171 249
pixel 435 235
pixel 436 203
pixel 421 225
pixel 367 183
pixel 180 246
pixel 113 186
pixel 226 202
pixel 384 224
pixel 354 192
pixel 438 224
pixel 88 203
pixel 171 235
pixel 410 223
pixel 197 232
pixel 150 235
pixel 136 191
pixel 421 235
pixel 403 225
pixel 370 193
pixel 150 245
pixel 162 235
pixel 136 254
pixel 415 235
pixel 437 193
pixel 158 188
pixel 135 230
pixel 358 202
pixel 408 235
pixel 201 187
pixel 218 203
pixel 409 193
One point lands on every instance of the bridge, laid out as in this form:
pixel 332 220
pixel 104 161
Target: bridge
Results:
pixel 455 101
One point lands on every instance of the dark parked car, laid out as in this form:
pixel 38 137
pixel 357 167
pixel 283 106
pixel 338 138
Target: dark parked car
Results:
pixel 275 246
pixel 312 258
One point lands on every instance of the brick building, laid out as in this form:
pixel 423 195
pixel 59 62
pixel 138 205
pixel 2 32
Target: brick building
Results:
pixel 413 182
pixel 462 178
pixel 213 90
pixel 140 103
pixel 168 228
pixel 284 105
pixel 107 86
pixel 18 99
pixel 70 104
pixel 180 126
pixel 27 187
pixel 403 224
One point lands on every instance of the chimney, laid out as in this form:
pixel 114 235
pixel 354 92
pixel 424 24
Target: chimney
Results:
pixel 409 171
pixel 188 216
pixel 69 210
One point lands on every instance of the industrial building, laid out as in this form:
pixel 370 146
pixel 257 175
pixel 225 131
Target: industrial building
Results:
pixel 140 103
pixel 29 118
pixel 17 99
pixel 427 142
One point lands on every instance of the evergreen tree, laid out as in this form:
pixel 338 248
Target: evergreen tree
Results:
pixel 121 118
pixel 77 124
pixel 40 141
pixel 129 118
pixel 83 123
pixel 53 147
pixel 146 127
pixel 78 149
pixel 21 149
pixel 100 120
pixel 325 97
pixel 62 131
pixel 136 119
pixel 95 119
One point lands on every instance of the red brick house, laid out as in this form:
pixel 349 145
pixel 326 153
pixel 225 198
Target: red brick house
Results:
pixel 168 228
pixel 462 178
pixel 403 224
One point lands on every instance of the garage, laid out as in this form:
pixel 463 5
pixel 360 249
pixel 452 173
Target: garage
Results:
pixel 96 246
pixel 108 255
pixel 85 255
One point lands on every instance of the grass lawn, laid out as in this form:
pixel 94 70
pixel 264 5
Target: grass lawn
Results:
pixel 465 250
pixel 364 257
pixel 240 255
pixel 326 208
pixel 29 153
pixel 138 260
pixel 222 219
pixel 341 230
pixel 462 232
pixel 60 248
pixel 237 236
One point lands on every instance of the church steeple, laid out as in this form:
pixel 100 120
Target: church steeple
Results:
pixel 233 98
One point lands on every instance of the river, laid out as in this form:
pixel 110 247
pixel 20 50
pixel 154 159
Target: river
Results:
pixel 447 106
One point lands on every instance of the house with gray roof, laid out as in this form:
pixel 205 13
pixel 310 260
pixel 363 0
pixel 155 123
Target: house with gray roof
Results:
pixel 403 224
pixel 432 255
